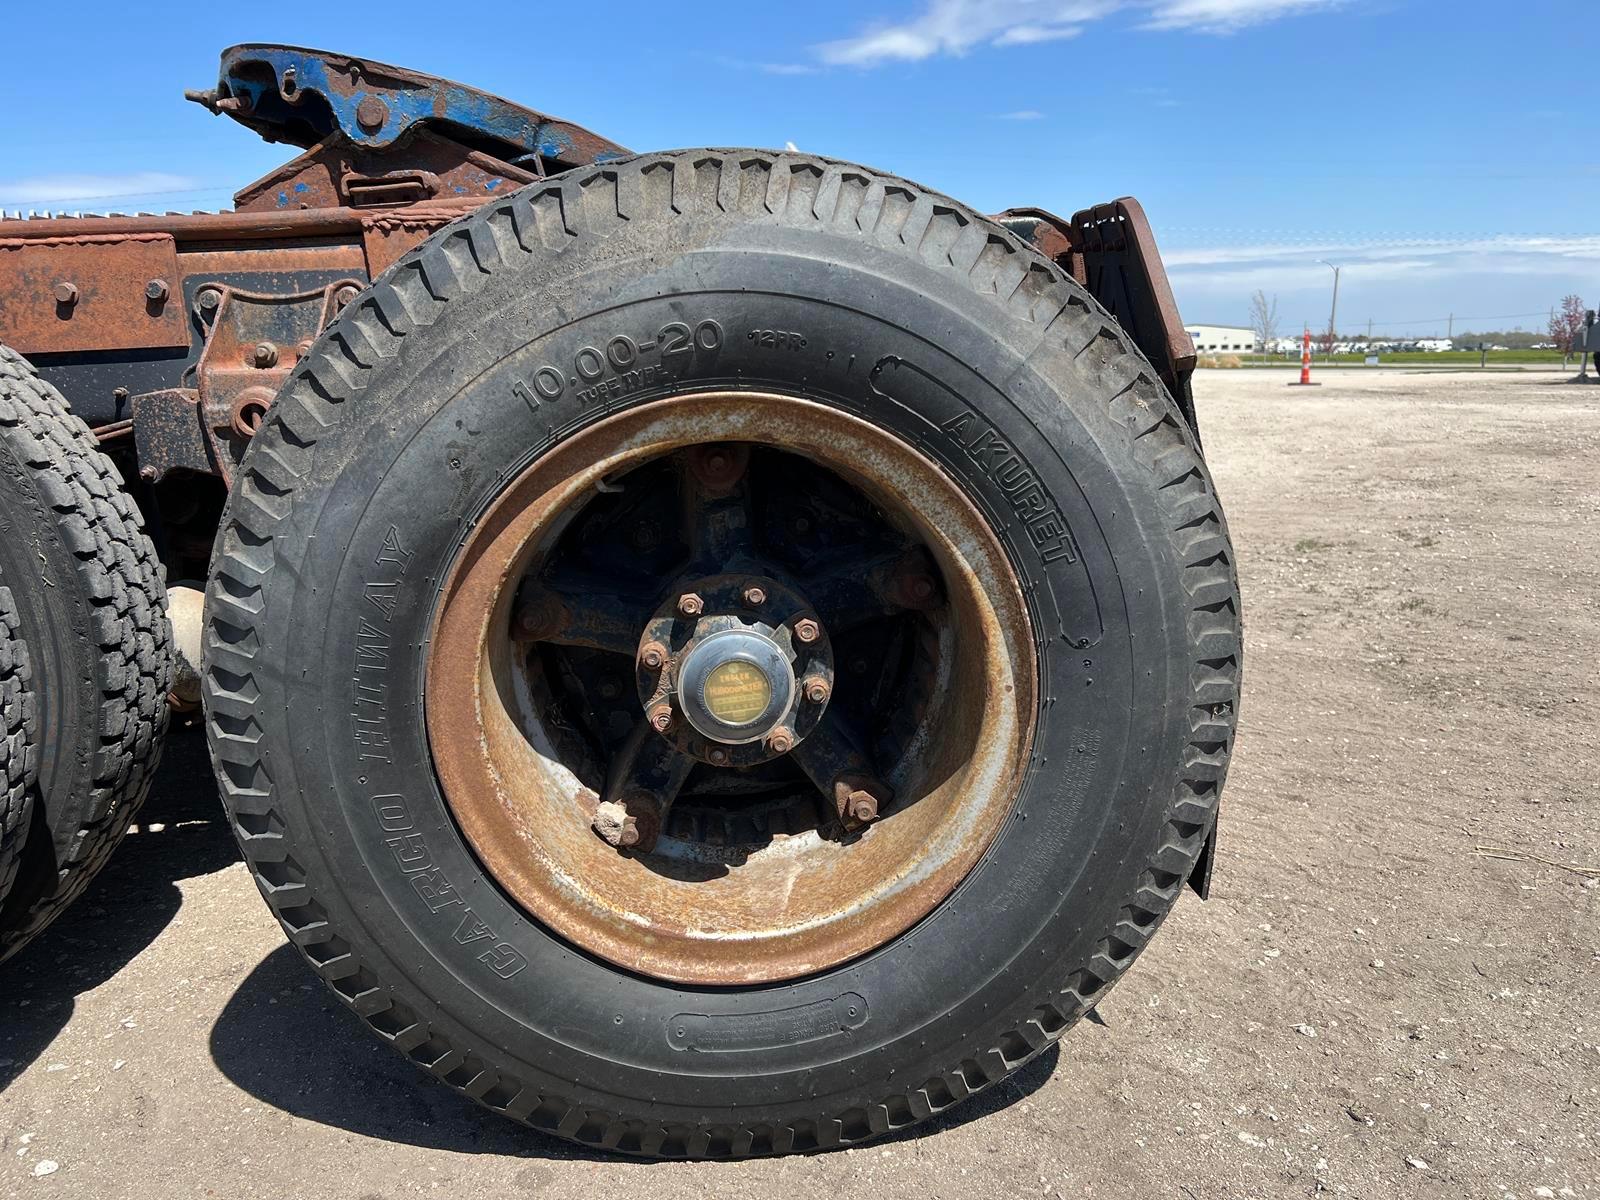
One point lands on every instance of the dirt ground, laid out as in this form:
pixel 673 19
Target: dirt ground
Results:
pixel 1370 1005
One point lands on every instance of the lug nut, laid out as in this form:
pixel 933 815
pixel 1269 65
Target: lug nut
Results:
pixel 66 293
pixel 863 806
pixel 780 741
pixel 691 605
pixel 156 290
pixel 816 689
pixel 755 596
pixel 807 630
pixel 265 355
pixel 653 657
pixel 660 717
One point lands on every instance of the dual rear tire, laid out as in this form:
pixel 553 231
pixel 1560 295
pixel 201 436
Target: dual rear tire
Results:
pixel 85 667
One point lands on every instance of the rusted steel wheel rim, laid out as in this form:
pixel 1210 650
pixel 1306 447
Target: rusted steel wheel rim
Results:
pixel 778 734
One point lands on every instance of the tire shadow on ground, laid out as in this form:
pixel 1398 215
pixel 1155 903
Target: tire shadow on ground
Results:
pixel 288 1042
pixel 124 909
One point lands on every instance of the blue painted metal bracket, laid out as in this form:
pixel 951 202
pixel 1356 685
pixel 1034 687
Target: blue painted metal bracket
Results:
pixel 301 96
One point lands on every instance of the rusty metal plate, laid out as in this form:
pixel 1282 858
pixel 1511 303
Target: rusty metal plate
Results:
pixel 93 291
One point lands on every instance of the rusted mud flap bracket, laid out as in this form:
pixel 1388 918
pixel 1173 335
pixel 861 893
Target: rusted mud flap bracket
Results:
pixel 1110 250
pixel 1200 873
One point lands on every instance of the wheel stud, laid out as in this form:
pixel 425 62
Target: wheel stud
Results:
pixel 653 657
pixel 816 689
pixel 807 630
pixel 755 596
pixel 780 741
pixel 691 605
pixel 660 716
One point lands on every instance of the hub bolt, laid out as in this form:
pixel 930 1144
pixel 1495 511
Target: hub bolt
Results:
pixel 755 596
pixel 807 630
pixel 780 741
pixel 653 657
pixel 156 290
pixel 345 294
pixel 718 756
pixel 920 588
pixel 691 605
pixel 863 806
pixel 66 293
pixel 817 689
pixel 265 355
pixel 660 717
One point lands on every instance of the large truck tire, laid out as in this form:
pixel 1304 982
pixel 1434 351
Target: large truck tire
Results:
pixel 19 752
pixel 722 653
pixel 89 605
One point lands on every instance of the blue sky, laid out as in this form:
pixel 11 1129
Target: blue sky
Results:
pixel 1447 155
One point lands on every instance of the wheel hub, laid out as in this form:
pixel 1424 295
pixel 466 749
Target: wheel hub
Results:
pixel 834 682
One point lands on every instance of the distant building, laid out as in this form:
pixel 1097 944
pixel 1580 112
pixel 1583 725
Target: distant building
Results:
pixel 1222 339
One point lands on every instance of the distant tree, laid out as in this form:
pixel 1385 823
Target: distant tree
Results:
pixel 1326 340
pixel 1264 319
pixel 1566 323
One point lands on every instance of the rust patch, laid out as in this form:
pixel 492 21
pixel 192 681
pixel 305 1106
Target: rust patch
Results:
pixel 100 291
pixel 800 903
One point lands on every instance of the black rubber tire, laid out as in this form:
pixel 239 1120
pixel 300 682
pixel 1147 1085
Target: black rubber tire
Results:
pixel 424 397
pixel 19 753
pixel 90 605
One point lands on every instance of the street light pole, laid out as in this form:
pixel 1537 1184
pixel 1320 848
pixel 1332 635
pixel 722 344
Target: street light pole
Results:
pixel 1333 315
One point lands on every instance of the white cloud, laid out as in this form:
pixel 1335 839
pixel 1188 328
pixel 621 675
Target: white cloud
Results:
pixel 1022 114
pixel 65 188
pixel 1226 16
pixel 956 26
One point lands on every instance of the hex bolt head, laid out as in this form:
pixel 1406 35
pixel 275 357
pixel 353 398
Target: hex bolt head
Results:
pixel 816 689
pixel 156 290
pixel 755 596
pixel 345 294
pixel 807 630
pixel 653 657
pixel 718 756
pixel 780 741
pixel 691 605
pixel 371 113
pixel 208 298
pixel 660 716
pixel 265 355
pixel 629 834
pixel 863 806
pixel 66 292
pixel 920 588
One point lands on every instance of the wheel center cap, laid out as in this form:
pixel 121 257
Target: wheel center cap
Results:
pixel 735 686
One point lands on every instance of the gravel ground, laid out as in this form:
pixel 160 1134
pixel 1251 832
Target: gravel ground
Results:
pixel 1374 1003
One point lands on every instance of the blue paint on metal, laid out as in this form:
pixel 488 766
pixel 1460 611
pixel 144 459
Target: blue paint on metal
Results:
pixel 301 187
pixel 323 91
pixel 283 199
